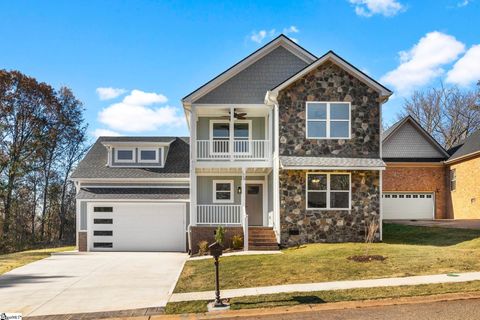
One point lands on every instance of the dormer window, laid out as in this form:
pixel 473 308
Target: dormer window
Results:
pixel 148 155
pixel 125 155
pixel 328 120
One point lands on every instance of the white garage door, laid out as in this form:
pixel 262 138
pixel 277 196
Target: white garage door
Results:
pixel 408 206
pixel 137 226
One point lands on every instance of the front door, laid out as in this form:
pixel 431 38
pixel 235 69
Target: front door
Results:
pixel 254 204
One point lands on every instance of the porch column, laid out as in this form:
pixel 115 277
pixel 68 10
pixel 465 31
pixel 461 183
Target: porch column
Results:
pixel 193 175
pixel 231 147
pixel 244 211
pixel 270 134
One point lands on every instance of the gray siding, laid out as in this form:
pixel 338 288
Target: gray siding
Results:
pixel 205 187
pixel 408 142
pixel 83 215
pixel 252 83
pixel 258 127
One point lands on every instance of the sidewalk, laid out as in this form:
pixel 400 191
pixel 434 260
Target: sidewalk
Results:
pixel 325 286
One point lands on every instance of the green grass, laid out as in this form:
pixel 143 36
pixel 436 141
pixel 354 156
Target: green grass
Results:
pixel 409 250
pixel 299 298
pixel 14 260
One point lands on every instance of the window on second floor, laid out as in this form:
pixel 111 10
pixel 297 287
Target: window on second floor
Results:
pixel 125 155
pixel 148 155
pixel 220 135
pixel 453 180
pixel 328 120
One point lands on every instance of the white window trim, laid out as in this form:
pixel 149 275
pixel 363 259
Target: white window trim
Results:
pixel 328 190
pixel 210 133
pixel 328 120
pixel 214 191
pixel 125 161
pixel 148 149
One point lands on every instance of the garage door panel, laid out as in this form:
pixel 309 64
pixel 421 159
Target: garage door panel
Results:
pixel 138 227
pixel 408 206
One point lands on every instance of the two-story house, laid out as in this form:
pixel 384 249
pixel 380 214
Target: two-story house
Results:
pixel 284 148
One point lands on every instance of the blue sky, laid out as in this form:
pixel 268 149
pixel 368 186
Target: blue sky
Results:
pixel 152 53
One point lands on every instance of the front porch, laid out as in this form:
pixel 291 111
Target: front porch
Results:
pixel 241 201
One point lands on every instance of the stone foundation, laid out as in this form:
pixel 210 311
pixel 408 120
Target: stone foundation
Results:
pixel 82 241
pixel 201 233
pixel 299 226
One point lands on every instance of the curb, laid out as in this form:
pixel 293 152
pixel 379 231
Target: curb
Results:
pixel 321 307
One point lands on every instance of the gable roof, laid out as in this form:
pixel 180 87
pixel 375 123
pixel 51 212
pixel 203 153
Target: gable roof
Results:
pixel 94 164
pixel 335 58
pixel 406 139
pixel 280 41
pixel 470 147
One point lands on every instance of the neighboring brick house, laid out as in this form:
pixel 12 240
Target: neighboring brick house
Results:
pixel 464 179
pixel 423 180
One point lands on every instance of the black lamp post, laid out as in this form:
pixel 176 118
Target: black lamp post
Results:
pixel 216 250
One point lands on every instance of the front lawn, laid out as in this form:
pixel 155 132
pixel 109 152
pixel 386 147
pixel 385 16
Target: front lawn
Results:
pixel 14 260
pixel 299 298
pixel 409 250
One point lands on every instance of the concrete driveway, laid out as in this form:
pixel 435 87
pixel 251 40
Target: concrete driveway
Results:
pixel 91 282
pixel 444 223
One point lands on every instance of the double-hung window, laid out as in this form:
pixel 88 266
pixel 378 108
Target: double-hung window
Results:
pixel 328 191
pixel 328 120
pixel 223 191
pixel 453 180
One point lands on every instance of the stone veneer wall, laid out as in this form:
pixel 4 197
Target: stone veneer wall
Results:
pixel 201 233
pixel 330 83
pixel 327 225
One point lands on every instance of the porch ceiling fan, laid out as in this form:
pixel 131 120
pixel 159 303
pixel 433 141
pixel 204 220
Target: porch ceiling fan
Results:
pixel 236 115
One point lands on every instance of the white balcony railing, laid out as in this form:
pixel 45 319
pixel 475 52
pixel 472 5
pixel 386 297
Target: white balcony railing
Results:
pixel 218 214
pixel 253 150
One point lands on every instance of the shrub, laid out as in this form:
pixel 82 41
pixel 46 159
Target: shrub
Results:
pixel 237 242
pixel 202 247
pixel 220 235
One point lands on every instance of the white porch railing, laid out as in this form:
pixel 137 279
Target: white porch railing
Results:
pixel 254 150
pixel 218 214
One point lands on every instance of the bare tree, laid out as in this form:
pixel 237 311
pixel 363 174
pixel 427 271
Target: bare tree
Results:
pixel 447 113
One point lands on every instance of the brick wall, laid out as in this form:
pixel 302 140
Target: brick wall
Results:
pixel 82 241
pixel 198 234
pixel 420 179
pixel 465 200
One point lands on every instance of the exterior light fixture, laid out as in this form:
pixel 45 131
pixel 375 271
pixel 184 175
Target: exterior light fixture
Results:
pixel 239 190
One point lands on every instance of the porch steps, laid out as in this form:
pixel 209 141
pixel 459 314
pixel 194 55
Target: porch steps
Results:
pixel 261 238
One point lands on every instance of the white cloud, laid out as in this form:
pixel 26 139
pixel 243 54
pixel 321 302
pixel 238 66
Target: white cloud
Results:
pixel 424 61
pixel 107 93
pixel 259 36
pixel 133 113
pixel 463 3
pixel 368 8
pixel 467 69
pixel 105 133
pixel 291 29
pixel 137 97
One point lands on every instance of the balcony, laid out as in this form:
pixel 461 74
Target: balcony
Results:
pixel 236 150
